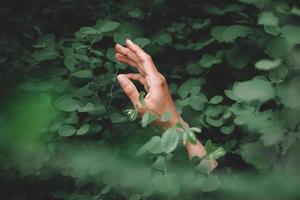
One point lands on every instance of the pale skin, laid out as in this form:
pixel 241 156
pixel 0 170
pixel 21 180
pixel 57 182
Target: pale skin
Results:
pixel 158 98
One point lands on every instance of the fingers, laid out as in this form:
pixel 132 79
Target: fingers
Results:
pixel 140 78
pixel 126 60
pixel 144 58
pixel 129 88
pixel 128 53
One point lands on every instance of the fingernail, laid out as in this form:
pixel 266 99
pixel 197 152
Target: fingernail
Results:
pixel 129 41
pixel 121 79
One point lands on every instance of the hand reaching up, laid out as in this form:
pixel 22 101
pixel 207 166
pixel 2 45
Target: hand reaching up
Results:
pixel 158 98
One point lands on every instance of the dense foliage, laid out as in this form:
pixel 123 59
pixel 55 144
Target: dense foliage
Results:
pixel 233 70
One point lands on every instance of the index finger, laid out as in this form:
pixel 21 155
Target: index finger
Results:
pixel 145 59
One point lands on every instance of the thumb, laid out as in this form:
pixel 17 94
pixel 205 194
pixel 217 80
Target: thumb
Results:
pixel 129 88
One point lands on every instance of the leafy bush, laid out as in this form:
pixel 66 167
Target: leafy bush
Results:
pixel 232 67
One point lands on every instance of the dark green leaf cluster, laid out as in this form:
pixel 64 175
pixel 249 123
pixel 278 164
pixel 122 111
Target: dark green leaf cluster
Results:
pixel 67 131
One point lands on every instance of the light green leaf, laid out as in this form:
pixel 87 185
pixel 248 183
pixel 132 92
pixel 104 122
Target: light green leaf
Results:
pixel 229 34
pixel 216 100
pixel 67 104
pixel 187 86
pixel 83 129
pixel 166 116
pixel 142 42
pixel 268 19
pixel 209 60
pixel 169 140
pixel 148 118
pixel 267 64
pixel 66 131
pixel 142 99
pixel 256 89
pixel 213 122
pixel 218 153
pixel 107 27
pixel 86 108
pixel 227 129
pixel 198 102
pixel 152 146
pixel 160 163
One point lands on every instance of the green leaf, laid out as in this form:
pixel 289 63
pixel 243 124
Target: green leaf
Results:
pixel 110 54
pixel 198 102
pixel 70 62
pixel 152 146
pixel 135 13
pixel 116 117
pixel 190 136
pixel 214 110
pixel 256 89
pixel 187 86
pixel 195 130
pixel 142 42
pixel 160 163
pixel 209 60
pixel 278 47
pixel 67 104
pixel 216 100
pixel 169 140
pixel 291 33
pixel 166 116
pixel 218 153
pixel 120 38
pixel 162 38
pixel 86 108
pixel 213 122
pixel 229 34
pixel 227 129
pixel 142 99
pixel 148 118
pixel 267 64
pixel 44 55
pixel 85 73
pixel 230 95
pixel 66 131
pixel 83 129
pixel 107 27
pixel 268 19
pixel 132 113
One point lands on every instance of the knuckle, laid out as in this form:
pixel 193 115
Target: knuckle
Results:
pixel 148 57
pixel 161 80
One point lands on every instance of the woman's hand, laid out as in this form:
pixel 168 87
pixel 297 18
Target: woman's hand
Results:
pixel 158 98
